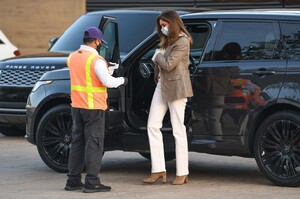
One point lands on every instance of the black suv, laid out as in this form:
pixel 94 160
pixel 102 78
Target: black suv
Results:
pixel 245 72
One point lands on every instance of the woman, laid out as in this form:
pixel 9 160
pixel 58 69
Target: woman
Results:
pixel 173 87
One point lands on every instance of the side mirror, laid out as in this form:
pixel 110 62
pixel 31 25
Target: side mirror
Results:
pixel 52 41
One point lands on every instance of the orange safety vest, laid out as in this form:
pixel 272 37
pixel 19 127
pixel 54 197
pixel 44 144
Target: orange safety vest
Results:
pixel 87 91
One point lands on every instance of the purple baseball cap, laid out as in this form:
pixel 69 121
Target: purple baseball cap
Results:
pixel 94 33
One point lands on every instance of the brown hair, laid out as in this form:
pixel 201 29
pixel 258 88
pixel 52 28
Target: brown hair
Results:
pixel 175 27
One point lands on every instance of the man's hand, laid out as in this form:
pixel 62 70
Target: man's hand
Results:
pixel 125 81
pixel 112 66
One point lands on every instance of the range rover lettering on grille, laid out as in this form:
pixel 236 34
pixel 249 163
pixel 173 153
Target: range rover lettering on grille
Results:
pixel 30 67
pixel 22 75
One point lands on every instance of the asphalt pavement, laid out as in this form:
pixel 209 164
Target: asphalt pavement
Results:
pixel 24 175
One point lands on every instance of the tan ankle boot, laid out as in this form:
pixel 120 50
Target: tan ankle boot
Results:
pixel 179 180
pixel 155 176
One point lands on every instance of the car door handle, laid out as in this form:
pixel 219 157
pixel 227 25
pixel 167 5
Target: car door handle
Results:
pixel 262 73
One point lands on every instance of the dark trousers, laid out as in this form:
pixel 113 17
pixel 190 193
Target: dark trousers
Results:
pixel 211 112
pixel 87 144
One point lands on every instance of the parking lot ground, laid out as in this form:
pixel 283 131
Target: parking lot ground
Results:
pixel 24 175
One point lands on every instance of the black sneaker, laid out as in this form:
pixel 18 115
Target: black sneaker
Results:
pixel 96 188
pixel 71 186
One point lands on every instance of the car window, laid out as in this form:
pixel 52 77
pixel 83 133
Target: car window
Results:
pixel 132 28
pixel 1 42
pixel 199 33
pixel 109 36
pixel 246 41
pixel 72 37
pixel 291 37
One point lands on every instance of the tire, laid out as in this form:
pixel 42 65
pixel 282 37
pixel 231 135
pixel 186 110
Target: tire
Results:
pixel 54 137
pixel 168 156
pixel 277 148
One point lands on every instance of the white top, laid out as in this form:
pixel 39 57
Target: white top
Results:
pixel 102 72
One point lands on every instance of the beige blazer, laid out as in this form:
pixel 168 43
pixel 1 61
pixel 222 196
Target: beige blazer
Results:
pixel 174 70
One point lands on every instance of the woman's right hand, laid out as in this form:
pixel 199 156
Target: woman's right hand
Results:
pixel 155 54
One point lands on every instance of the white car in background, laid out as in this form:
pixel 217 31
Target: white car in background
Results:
pixel 7 49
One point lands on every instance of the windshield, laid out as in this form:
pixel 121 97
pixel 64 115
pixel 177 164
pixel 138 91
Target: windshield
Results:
pixel 132 27
pixel 71 39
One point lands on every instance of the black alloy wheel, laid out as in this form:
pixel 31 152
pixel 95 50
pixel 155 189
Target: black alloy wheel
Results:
pixel 277 148
pixel 54 137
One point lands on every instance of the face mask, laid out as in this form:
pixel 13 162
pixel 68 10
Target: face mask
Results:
pixel 99 45
pixel 165 31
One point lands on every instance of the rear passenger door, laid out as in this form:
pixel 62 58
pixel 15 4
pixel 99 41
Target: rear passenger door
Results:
pixel 242 69
pixel 111 53
pixel 291 36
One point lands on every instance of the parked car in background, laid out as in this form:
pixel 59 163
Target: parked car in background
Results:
pixel 7 49
pixel 245 72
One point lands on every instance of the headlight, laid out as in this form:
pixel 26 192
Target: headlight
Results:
pixel 40 83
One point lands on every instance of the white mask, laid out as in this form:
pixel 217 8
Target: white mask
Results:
pixel 165 31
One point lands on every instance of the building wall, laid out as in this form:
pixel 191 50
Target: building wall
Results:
pixel 29 24
pixel 208 4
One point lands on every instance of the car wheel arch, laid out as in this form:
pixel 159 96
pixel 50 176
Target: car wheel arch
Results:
pixel 44 107
pixel 262 115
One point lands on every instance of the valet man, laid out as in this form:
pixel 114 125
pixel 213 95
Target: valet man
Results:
pixel 90 76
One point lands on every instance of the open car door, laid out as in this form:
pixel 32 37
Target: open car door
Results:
pixel 111 53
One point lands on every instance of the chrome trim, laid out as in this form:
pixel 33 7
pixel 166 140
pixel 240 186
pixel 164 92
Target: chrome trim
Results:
pixel 10 110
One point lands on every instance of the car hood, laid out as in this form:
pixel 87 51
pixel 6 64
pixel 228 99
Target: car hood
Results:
pixel 61 74
pixel 42 61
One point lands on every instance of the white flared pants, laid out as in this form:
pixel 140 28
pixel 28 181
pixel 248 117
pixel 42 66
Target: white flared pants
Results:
pixel 158 110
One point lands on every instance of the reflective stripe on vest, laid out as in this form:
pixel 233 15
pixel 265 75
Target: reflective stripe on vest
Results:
pixel 89 89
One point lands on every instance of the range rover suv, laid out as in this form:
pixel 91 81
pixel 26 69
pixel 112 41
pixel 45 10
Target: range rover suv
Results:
pixel 245 72
pixel 18 75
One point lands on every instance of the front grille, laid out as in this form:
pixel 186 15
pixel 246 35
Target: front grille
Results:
pixel 20 77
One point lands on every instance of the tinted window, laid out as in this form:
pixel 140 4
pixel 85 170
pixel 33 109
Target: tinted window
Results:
pixel 109 35
pixel 246 41
pixel 72 37
pixel 1 42
pixel 132 28
pixel 199 33
pixel 291 36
